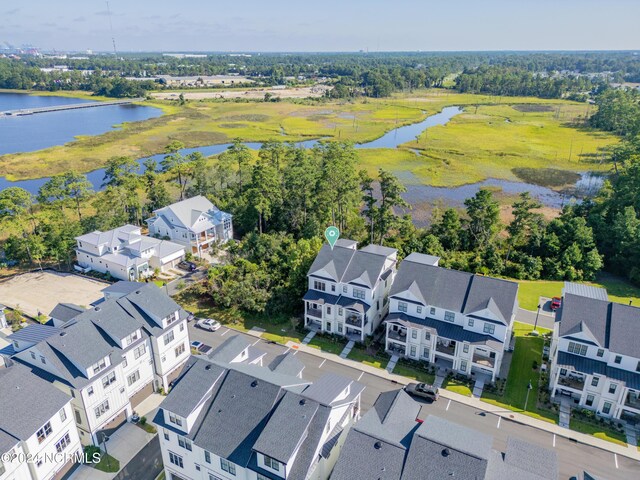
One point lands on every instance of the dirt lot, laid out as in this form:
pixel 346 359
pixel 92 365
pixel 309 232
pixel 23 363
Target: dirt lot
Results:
pixel 41 291
pixel 250 93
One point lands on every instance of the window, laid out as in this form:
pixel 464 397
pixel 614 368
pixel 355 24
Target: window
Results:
pixel 577 348
pixel 471 322
pixel 589 401
pixel 432 311
pixel 418 309
pixel 272 463
pixel 175 420
pixel 463 365
pixel 563 372
pixel 180 349
pixel 139 351
pixel 594 381
pixel 176 459
pixel 333 288
pixel 414 333
pixel 168 338
pixel 102 409
pixel 207 457
pixel 63 443
pixel 339 328
pixel 465 348
pixel 606 409
pixel 344 289
pixel 227 466
pixel 124 361
pixel 166 435
pixel 600 352
pixel 133 378
pixel 489 328
pixel 638 367
pixel 181 327
pixel 317 285
pixel 449 316
pixel 131 338
pixel 413 350
pixel 402 306
pixel 78 417
pixel 612 388
pixel 328 326
pixel 184 443
pixel 340 311
pixel 44 432
pixel 42 359
pixel 328 310
pixel 90 391
pixel 427 336
pixel 63 415
pixel 108 379
pixel 33 355
pixel 425 352
pixel 97 367
pixel 262 477
pixel 618 359
pixel 359 293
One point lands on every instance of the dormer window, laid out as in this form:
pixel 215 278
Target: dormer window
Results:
pixel 44 432
pixel 132 338
pixel 272 463
pixel 358 293
pixel 402 307
pixel 317 285
pixel 99 366
pixel 175 419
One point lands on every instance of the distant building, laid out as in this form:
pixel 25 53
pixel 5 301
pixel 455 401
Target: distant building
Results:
pixel 456 319
pixel 194 222
pixel 348 289
pixel 389 442
pixel 126 254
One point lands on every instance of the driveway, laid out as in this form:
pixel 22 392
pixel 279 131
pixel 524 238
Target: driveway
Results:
pixel 41 291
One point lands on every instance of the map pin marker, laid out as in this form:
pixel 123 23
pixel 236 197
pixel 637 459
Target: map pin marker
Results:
pixel 332 234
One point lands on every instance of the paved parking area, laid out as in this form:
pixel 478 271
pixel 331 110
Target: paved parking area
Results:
pixel 40 291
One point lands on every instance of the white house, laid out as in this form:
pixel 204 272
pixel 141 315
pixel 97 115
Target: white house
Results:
pixel 36 421
pixel 110 357
pixel 126 254
pixel 457 320
pixel 595 355
pixel 246 422
pixel 348 289
pixel 195 223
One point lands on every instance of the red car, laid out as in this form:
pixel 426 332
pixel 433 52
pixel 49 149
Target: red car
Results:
pixel 555 303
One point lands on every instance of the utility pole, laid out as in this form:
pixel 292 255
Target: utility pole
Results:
pixel 526 400
pixel 113 38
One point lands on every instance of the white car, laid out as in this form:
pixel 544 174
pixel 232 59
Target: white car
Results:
pixel 208 324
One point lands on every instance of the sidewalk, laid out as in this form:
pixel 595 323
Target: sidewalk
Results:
pixel 480 405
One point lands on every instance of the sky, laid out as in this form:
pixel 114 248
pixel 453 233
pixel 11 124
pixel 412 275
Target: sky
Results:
pixel 325 25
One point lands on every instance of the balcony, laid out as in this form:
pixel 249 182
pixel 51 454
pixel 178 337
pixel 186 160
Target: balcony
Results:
pixel 400 336
pixel 395 349
pixel 354 320
pixel 448 347
pixel 314 312
pixel 484 361
pixel 633 400
pixel 572 381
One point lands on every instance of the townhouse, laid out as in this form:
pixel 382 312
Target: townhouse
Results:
pixel 458 320
pixel 243 421
pixel 595 356
pixel 109 357
pixel 36 425
pixel 195 223
pixel 348 289
pixel 390 442
pixel 126 254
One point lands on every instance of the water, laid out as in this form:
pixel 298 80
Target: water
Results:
pixel 35 132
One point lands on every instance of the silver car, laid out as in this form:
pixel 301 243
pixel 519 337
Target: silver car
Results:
pixel 208 324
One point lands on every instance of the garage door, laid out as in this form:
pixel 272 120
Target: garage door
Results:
pixel 113 425
pixel 141 394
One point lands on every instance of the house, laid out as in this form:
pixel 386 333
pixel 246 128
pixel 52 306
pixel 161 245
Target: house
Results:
pixel 110 357
pixel 36 422
pixel 348 289
pixel 390 442
pixel 458 320
pixel 241 421
pixel 595 355
pixel 64 312
pixel 237 349
pixel 126 254
pixel 195 223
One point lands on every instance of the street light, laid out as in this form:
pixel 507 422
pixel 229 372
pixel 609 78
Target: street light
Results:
pixel 535 325
pixel 529 388
pixel 105 438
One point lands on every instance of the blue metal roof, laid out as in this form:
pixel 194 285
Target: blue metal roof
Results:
pixel 34 333
pixel 590 367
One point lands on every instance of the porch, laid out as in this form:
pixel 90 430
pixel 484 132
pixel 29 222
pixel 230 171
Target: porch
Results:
pixel 446 346
pixel 314 325
pixel 396 349
pixel 572 380
pixel 400 335
pixel 484 361
pixel 354 319
pixel 632 400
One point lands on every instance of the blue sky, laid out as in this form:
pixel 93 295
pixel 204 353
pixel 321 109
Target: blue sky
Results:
pixel 323 25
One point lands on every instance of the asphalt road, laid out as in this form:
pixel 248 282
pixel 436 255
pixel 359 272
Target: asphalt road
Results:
pixel 573 457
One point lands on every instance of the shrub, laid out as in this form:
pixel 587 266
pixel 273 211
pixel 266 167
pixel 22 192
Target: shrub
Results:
pixel 143 421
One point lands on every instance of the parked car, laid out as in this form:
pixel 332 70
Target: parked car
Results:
pixel 556 302
pixel 208 324
pixel 195 345
pixel 188 266
pixel 190 315
pixel 423 390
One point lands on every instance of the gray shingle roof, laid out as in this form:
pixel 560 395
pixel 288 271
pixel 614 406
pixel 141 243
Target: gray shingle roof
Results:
pixel 27 402
pixel 34 333
pixel 111 318
pixel 613 325
pixel 122 287
pixel 153 300
pixel 523 461
pixel 287 364
pixel 7 442
pixel 583 290
pixel 82 344
pixel 454 290
pixel 327 390
pixel 65 311
pixel 186 213
pixel 287 427
pixel 320 297
pixel 230 349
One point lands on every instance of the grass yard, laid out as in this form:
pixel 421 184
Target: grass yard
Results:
pixel 599 431
pixel 359 355
pixel 420 376
pixel 457 387
pixel 619 290
pixel 328 344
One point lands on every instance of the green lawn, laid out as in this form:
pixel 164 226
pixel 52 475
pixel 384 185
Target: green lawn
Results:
pixel 359 355
pixel 598 431
pixel 619 290
pixel 415 374
pixel 458 387
pixel 328 344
